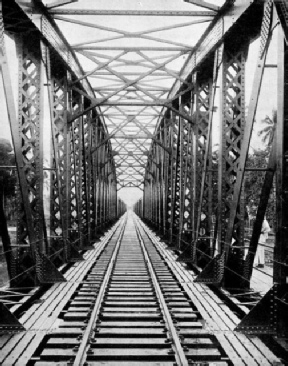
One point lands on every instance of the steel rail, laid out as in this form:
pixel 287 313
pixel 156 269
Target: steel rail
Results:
pixel 81 354
pixel 179 352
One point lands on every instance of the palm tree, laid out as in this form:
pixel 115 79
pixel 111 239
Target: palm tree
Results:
pixel 268 131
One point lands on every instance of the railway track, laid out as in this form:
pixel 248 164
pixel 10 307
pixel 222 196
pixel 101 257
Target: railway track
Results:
pixel 129 310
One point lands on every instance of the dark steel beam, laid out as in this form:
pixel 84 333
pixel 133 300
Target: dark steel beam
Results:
pixel 203 4
pixel 135 49
pixel 161 13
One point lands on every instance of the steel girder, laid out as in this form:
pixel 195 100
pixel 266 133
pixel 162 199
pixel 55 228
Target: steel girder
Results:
pixel 76 177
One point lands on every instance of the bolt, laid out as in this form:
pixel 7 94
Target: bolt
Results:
pixel 90 351
pixel 171 352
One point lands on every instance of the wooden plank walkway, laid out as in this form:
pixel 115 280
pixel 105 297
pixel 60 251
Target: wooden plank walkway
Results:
pixel 262 279
pixel 220 320
pixel 40 318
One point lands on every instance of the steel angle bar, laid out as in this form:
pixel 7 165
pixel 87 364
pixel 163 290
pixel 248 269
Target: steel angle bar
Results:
pixel 204 4
pixel 262 205
pixel 99 67
pixel 127 83
pixel 109 137
pixel 123 33
pixel 217 62
pixel 167 71
pixel 280 249
pixel 143 128
pixel 92 25
pixel 144 13
pixel 135 49
pixel 58 3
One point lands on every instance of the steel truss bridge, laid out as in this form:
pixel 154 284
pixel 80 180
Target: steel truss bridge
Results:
pixel 163 99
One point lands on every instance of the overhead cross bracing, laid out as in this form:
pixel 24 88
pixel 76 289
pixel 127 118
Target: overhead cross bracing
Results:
pixel 131 58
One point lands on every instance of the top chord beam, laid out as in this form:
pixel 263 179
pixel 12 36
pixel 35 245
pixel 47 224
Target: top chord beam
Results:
pixel 161 13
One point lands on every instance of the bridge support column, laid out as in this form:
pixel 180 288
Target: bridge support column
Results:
pixel 269 316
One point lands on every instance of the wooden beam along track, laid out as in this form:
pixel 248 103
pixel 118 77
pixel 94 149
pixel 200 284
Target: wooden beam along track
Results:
pixel 130 303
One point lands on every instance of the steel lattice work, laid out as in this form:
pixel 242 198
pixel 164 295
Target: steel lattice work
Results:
pixel 138 109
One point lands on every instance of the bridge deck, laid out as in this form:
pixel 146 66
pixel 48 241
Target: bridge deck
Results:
pixel 191 313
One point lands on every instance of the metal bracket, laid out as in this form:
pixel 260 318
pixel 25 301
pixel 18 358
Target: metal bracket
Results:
pixel 8 322
pixel 214 271
pixel 185 256
pixel 282 10
pixel 73 255
pixel 46 271
pixel 88 247
pixel 270 315
pixel 236 271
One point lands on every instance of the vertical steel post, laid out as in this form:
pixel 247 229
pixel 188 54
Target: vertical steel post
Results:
pixel 280 274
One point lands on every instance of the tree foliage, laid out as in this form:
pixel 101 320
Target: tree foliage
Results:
pixel 254 179
pixel 7 175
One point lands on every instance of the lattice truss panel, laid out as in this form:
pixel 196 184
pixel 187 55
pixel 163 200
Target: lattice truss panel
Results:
pixel 232 134
pixel 75 174
pixel 184 178
pixel 58 203
pixel 203 95
pixel 186 200
pixel 163 134
pixel 172 175
pixel 29 130
pixel 176 173
pixel 86 174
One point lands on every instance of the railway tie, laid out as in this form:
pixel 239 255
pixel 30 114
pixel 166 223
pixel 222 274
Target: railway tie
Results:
pixel 129 310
